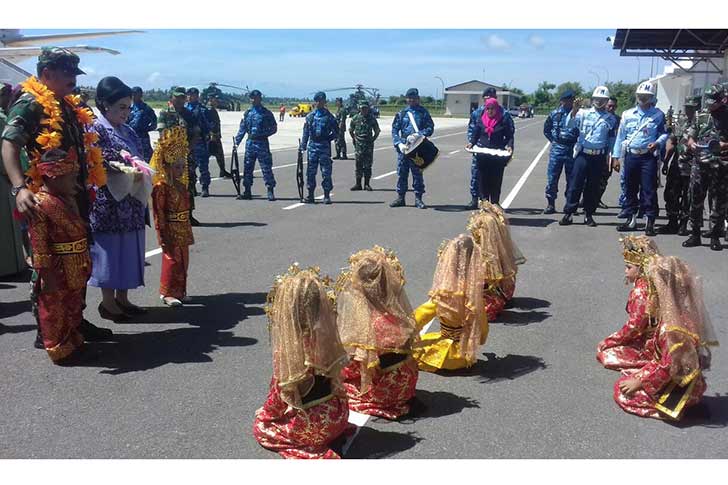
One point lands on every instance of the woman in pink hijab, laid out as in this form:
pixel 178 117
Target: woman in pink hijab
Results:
pixel 496 132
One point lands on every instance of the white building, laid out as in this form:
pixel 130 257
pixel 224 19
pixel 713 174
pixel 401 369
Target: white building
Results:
pixel 463 98
pixel 674 84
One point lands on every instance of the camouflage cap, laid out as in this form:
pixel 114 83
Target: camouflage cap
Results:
pixel 177 91
pixel 363 104
pixel 59 58
pixel 692 101
pixel 714 93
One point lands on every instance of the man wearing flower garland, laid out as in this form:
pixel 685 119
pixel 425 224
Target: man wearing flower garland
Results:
pixel 44 118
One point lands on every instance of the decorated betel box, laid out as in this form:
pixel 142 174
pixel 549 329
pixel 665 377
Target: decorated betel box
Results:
pixel 422 152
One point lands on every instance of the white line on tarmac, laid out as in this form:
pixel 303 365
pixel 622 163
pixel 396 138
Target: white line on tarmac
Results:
pixel 378 177
pixel 153 252
pixel 299 204
pixel 512 195
pixel 454 152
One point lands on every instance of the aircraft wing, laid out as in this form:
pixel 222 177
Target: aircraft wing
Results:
pixel 31 40
pixel 16 54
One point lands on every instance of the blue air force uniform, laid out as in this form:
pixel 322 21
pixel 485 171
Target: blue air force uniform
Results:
pixel 637 130
pixel 474 117
pixel 597 132
pixel 258 123
pixel 562 140
pixel 200 153
pixel 142 120
pixel 401 129
pixel 321 128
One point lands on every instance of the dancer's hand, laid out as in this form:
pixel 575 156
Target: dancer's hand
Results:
pixel 630 386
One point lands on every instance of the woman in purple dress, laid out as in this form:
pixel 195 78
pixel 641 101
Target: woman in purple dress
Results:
pixel 118 213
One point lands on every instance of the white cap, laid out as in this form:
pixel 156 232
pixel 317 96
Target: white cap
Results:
pixel 601 92
pixel 646 88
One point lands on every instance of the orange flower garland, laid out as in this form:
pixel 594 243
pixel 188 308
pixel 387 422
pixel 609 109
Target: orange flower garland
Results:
pixel 51 135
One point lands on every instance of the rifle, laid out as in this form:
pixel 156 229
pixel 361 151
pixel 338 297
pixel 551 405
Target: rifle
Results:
pixel 235 169
pixel 299 171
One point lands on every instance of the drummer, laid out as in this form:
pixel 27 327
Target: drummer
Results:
pixel 401 128
pixel 492 131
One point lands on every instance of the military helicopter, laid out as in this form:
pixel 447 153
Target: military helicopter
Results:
pixel 230 102
pixel 361 93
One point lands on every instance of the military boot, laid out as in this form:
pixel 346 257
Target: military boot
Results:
pixel 205 192
pixel 357 185
pixel 398 202
pixel 629 225
pixel 327 197
pixel 310 199
pixel 715 244
pixel 473 205
pixel 589 221
pixel 683 230
pixel 671 228
pixel 566 220
pixel 650 227
pixel 343 155
pixel 550 208
pixel 247 195
pixel 367 187
pixel 271 194
pixel 694 239
pixel 418 202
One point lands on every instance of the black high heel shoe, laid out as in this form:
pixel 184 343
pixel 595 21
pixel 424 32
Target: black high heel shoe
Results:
pixel 131 309
pixel 115 317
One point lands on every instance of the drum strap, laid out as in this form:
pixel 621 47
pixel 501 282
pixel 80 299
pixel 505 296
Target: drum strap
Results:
pixel 412 120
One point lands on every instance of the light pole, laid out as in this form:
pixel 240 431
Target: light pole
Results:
pixel 442 101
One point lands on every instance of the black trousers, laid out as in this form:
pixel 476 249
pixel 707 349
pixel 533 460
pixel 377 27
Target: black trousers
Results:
pixel 585 178
pixel 490 177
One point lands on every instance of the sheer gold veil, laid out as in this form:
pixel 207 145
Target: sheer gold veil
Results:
pixel 490 230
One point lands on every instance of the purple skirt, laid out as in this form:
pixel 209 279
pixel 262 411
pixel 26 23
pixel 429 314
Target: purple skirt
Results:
pixel 118 260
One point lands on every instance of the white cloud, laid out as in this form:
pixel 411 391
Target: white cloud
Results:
pixel 88 70
pixel 496 42
pixel 536 41
pixel 153 77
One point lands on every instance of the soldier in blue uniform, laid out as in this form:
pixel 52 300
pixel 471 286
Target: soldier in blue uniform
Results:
pixel 562 147
pixel 258 123
pixel 321 128
pixel 597 131
pixel 640 138
pixel 401 128
pixel 199 150
pixel 142 120
pixel 474 117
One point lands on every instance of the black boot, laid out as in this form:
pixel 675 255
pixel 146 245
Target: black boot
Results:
pixel 418 202
pixel 357 185
pixel 566 220
pixel 271 194
pixel 694 239
pixel 473 204
pixel 715 244
pixel 310 199
pixel 247 195
pixel 589 221
pixel 628 225
pixel 343 155
pixel 683 229
pixel 671 228
pixel 398 202
pixel 650 227
pixel 327 197
pixel 367 187
pixel 550 208
pixel 38 344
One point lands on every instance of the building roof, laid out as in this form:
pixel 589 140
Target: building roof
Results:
pixel 474 85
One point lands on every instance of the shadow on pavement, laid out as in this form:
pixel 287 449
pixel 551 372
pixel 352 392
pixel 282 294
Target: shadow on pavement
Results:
pixel 428 404
pixel 15 328
pixel 22 277
pixel 528 303
pixel 535 222
pixel 710 412
pixel 232 224
pixel 356 202
pixel 509 317
pixel 450 208
pixel 524 212
pixel 13 308
pixel 372 443
pixel 213 315
pixel 500 368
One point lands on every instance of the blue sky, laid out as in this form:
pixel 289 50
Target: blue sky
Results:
pixel 299 62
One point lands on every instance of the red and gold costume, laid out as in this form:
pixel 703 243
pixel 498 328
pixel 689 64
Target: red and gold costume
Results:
pixel 61 254
pixel 501 256
pixel 377 329
pixel 171 205
pixel 306 408
pixel 457 302
pixel 673 379
pixel 625 348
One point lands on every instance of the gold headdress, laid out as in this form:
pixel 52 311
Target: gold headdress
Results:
pixel 374 314
pixel 171 147
pixel 491 233
pixel 638 250
pixel 304 339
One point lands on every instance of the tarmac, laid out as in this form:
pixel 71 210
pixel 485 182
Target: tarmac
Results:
pixel 185 383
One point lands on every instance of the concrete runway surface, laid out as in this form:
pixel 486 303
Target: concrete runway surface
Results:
pixel 185 383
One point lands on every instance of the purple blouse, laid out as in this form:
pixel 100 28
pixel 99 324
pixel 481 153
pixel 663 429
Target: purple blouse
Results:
pixel 108 215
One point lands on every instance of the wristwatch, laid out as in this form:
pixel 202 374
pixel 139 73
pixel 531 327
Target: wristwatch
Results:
pixel 16 190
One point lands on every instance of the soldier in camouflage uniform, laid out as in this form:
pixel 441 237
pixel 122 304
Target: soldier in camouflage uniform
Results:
pixel 677 167
pixel 364 130
pixel 177 115
pixel 340 143
pixel 199 151
pixel 57 69
pixel 709 141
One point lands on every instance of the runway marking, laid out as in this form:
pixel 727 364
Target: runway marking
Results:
pixel 454 152
pixel 153 252
pixel 514 192
pixel 378 177
pixel 299 204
